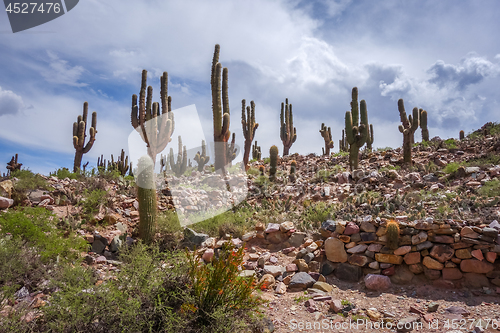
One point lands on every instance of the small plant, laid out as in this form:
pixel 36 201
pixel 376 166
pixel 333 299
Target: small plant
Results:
pixel 392 235
pixel 451 168
pixel 450 144
pixel 63 173
pixel 218 285
pixel 299 299
pixel 491 188
pixel 91 202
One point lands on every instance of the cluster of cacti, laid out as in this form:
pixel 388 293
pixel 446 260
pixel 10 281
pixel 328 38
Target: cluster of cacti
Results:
pixel 79 135
pixel 231 151
pixel 288 133
pixel 220 110
pixel 180 166
pixel 156 131
pixel 343 144
pixel 146 196
pixel 293 168
pixel 326 133
pixel 356 129
pixel 122 163
pixel 202 158
pixel 408 128
pixel 249 128
pixel 423 125
pixel 256 153
pixel 13 165
pixel 273 154
pixel 461 135
pixel 392 235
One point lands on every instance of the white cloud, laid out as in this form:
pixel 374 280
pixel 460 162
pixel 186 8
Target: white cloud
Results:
pixel 61 73
pixel 10 103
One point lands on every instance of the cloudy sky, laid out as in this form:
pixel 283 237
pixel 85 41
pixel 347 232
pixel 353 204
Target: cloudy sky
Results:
pixel 441 56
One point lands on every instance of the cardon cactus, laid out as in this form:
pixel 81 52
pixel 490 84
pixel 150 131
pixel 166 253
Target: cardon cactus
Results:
pixel 293 167
pixel 369 138
pixel 79 135
pixel 13 165
pixel 392 235
pixel 273 154
pixel 122 164
pixel 202 158
pixel 180 166
pixel 231 151
pixel 156 131
pixel 288 133
pixel 343 144
pixel 423 125
pixel 356 131
pixel 220 110
pixel 146 197
pixel 408 128
pixel 249 127
pixel 326 133
pixel 256 153
pixel 462 136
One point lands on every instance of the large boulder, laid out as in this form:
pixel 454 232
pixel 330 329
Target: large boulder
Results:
pixel 335 251
pixel 377 282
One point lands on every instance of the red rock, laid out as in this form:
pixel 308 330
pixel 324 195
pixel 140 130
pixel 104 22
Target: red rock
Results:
pixel 414 309
pixel 416 268
pixel 291 268
pixel 478 254
pixel 389 271
pixel 442 253
pixel 428 317
pixel 377 282
pixel 475 266
pixel 412 258
pixel 208 255
pixel 351 229
pixel 491 256
pixel 401 251
pixel 452 274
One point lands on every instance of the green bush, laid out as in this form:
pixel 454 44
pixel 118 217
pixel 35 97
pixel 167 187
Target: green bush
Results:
pixel 218 287
pixel 37 227
pixel 27 180
pixel 451 168
pixel 91 202
pixel 63 173
pixel 253 171
pixel 450 143
pixel 491 188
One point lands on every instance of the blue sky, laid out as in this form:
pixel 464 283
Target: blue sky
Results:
pixel 441 56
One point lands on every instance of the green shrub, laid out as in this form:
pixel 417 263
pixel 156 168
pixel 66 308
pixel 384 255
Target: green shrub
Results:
pixel 341 154
pixel 451 168
pixel 489 159
pixel 63 173
pixel 450 143
pixel 27 180
pixel 37 227
pixel 491 188
pixel 253 171
pixel 217 286
pixel 266 160
pixel 91 202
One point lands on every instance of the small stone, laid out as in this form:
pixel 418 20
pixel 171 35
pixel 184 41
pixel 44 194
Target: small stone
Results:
pixel 326 287
pixel 401 251
pixel 432 307
pixel 377 282
pixel 432 264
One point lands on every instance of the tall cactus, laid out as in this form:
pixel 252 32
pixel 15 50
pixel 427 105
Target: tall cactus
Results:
pixel 408 128
pixel 79 135
pixel 220 110
pixel 369 138
pixel 202 158
pixel 343 144
pixel 288 133
pixel 249 128
pixel 146 197
pixel 256 153
pixel 326 133
pixel 122 164
pixel 273 154
pixel 423 125
pixel 461 136
pixel 180 166
pixel 13 165
pixel 356 131
pixel 156 131
pixel 231 151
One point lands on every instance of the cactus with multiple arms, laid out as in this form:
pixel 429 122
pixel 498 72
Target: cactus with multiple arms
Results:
pixel 146 196
pixel 356 131
pixel 288 133
pixel 249 127
pixel 343 144
pixel 408 128
pixel 180 166
pixel 13 165
pixel 256 153
pixel 220 110
pixel 326 133
pixel 122 164
pixel 423 125
pixel 202 158
pixel 273 154
pixel 156 131
pixel 79 135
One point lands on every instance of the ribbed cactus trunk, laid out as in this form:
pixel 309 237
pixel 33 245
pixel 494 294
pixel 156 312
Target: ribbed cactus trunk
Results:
pixel 220 110
pixel 249 128
pixel 273 156
pixel 326 133
pixel 408 128
pixel 423 125
pixel 146 196
pixel 356 130
pixel 462 135
pixel 288 133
